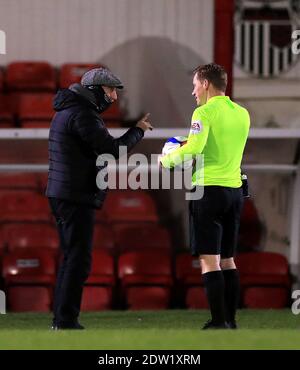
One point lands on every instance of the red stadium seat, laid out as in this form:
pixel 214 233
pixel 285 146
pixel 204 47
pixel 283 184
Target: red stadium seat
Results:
pixel 35 124
pixel 196 298
pixel 42 179
pixel 29 266
pixel 188 269
pixel 249 211
pixel 131 237
pixel 148 298
pixel 190 285
pixel 30 235
pixel 29 299
pixel 102 271
pixel 97 294
pixel 265 279
pixel 30 76
pixel 35 107
pixel 266 297
pixel 6 115
pixel 96 298
pixel 129 205
pixel 250 228
pixel 103 238
pixel 146 279
pixel 23 205
pixel 263 264
pixel 100 216
pixel 29 276
pixel 71 73
pixel 17 180
pixel 1 79
pixel 113 113
pixel 12 101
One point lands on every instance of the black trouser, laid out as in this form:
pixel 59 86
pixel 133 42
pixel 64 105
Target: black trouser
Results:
pixel 75 224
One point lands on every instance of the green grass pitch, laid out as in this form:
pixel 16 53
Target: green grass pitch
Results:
pixel 153 330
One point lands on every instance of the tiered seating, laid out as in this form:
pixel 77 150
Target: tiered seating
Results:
pixel 100 216
pixel 42 179
pixel 35 110
pixel 148 237
pixel 8 182
pixel 98 291
pixel 29 235
pixel 23 205
pixel 130 206
pixel 146 279
pixel 29 86
pixel 133 218
pixel 29 278
pixel 190 287
pixel 265 279
pixel 17 180
pixel 103 238
pixel 30 76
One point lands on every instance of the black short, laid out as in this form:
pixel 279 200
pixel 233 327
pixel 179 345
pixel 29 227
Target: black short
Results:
pixel 215 220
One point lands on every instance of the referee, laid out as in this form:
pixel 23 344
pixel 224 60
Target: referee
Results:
pixel 219 131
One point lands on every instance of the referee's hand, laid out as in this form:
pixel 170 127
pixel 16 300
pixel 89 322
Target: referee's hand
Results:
pixel 144 123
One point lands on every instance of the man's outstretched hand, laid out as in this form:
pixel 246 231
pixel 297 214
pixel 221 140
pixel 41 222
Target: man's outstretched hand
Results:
pixel 144 123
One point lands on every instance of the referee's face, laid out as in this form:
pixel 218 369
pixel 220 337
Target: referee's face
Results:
pixel 200 90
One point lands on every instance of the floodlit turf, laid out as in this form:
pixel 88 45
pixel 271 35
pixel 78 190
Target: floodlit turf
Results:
pixel 172 329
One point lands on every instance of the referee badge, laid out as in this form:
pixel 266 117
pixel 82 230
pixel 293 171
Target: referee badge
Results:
pixel 196 127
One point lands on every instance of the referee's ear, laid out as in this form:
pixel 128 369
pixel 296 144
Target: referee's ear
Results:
pixel 206 84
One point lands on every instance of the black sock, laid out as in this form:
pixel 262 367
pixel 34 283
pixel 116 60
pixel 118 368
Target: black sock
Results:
pixel 214 287
pixel 232 292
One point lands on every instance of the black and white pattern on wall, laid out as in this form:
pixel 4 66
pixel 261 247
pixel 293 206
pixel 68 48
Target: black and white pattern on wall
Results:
pixel 263 30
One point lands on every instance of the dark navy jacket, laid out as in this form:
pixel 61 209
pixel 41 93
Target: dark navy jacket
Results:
pixel 77 136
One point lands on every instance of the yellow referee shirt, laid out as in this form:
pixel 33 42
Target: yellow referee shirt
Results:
pixel 219 131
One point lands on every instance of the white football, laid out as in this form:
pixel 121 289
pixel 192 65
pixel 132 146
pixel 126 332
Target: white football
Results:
pixel 174 143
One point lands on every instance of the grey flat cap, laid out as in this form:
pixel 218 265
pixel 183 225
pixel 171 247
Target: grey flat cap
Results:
pixel 101 76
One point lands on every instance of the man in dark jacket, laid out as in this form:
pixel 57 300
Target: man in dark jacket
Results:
pixel 77 136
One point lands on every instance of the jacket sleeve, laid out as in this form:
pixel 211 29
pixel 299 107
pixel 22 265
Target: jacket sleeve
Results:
pixel 91 130
pixel 195 144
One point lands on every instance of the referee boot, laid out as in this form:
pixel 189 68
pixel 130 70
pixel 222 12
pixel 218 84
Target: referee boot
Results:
pixel 211 325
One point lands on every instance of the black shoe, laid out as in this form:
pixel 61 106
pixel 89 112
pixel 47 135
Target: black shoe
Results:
pixel 75 326
pixel 232 324
pixel 211 325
